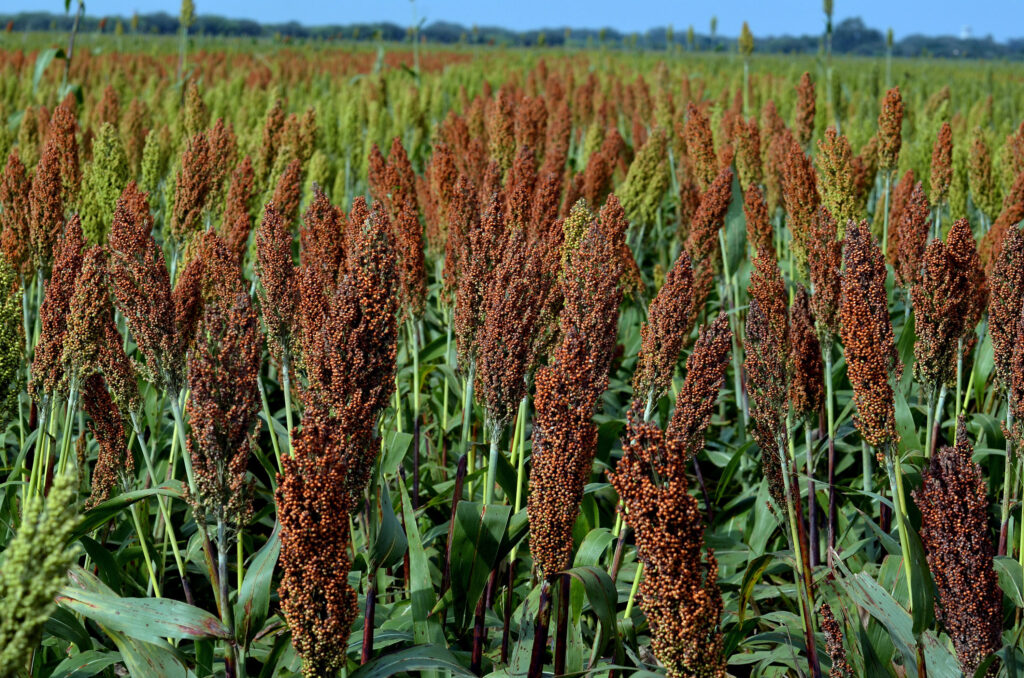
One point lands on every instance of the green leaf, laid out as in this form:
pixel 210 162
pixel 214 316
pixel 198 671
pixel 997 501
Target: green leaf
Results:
pixel 85 664
pixel 42 62
pixel 590 552
pixel 148 659
pixel 107 568
pixel 421 588
pixel 254 593
pixel 604 600
pixel 391 543
pixel 735 228
pixel 411 660
pixel 100 514
pixel 63 624
pixel 923 603
pixel 476 546
pixel 905 424
pixel 147 619
pixel 1010 578
pixel 755 568
pixel 868 594
pixel 396 444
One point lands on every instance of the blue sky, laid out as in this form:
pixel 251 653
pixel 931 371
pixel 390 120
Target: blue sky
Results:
pixel 999 18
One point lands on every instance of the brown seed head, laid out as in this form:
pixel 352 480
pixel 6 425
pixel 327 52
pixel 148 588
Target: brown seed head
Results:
pixel 890 124
pixel 700 147
pixel 1005 303
pixel 760 234
pixel 806 392
pixel 15 238
pixel 46 209
pixel 803 123
pixel 825 256
pixel 314 508
pixel 48 375
pixel 909 236
pixel 954 530
pixel 113 460
pixel 237 221
pixel 800 194
pixel 702 242
pixel 223 366
pixel 663 335
pixel 568 390
pixel 705 373
pixel 142 286
pixel 679 592
pixel 867 336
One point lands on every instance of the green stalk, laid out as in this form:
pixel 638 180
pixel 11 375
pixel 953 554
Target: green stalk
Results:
pixel 286 386
pixel 65 443
pixel 492 466
pixel 270 423
pixel 632 591
pixel 467 408
pixel 398 405
pixel 520 465
pixel 733 321
pixel 885 217
pixel 929 419
pixel 147 458
pixel 1008 482
pixel 936 422
pixel 892 467
pixel 865 460
pixel 40 445
pixel 145 550
pixel 831 422
pixel 802 580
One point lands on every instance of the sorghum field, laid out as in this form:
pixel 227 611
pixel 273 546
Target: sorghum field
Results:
pixel 336 360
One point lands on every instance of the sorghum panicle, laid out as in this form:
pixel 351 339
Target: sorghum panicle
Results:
pixel 237 221
pixel 800 194
pixel 15 239
pixel 568 389
pixel 867 336
pixel 679 592
pixel 508 332
pixel 890 125
pixel 288 190
pixel 836 176
pixel 909 236
pixel 767 365
pixel 278 290
pixel 663 335
pixel 47 372
pixel 192 184
pixel 954 530
pixel 834 644
pixel 114 460
pixel 46 209
pixel 142 286
pixel 806 387
pixel 223 366
pixel 705 373
pixel 760 233
pixel 314 507
pixel 803 124
pixel 702 243
pixel 1004 306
